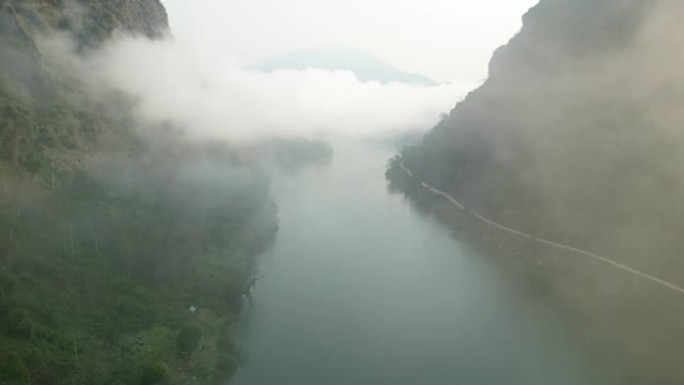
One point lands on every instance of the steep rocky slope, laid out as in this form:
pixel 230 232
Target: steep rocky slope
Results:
pixel 576 133
pixel 576 137
pixel 45 115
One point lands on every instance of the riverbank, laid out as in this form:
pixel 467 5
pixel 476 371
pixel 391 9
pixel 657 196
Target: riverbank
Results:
pixel 361 288
pixel 129 273
pixel 629 327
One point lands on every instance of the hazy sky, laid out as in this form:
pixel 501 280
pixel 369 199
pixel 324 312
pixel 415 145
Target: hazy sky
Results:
pixel 199 82
pixel 448 40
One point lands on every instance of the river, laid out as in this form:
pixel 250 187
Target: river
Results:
pixel 360 288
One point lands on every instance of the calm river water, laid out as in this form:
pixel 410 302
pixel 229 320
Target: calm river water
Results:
pixel 361 289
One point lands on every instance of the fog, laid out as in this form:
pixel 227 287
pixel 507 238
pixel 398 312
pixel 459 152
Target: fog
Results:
pixel 201 90
pixel 196 77
pixel 585 136
pixel 446 40
pixel 146 176
pixel 576 137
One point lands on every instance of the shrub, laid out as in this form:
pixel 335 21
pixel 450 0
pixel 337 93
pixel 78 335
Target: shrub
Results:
pixel 14 371
pixel 155 373
pixel 20 323
pixel 188 338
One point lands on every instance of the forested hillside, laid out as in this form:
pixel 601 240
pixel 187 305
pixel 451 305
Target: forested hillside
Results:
pixel 576 135
pixel 125 254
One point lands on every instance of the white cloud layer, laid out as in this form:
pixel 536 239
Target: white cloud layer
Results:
pixel 446 40
pixel 210 97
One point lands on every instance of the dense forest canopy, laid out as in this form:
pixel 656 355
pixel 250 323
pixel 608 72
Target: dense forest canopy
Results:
pixel 125 252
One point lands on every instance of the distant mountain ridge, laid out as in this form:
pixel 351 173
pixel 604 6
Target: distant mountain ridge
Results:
pixel 366 66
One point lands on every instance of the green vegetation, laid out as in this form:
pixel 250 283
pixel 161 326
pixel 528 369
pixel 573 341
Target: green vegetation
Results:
pixel 576 137
pixel 560 144
pixel 123 260
pixel 89 21
pixel 97 279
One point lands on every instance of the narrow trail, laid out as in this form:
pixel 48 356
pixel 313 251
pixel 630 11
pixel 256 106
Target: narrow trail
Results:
pixel 519 233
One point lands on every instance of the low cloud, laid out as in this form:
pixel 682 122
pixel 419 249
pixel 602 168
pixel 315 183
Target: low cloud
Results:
pixel 200 89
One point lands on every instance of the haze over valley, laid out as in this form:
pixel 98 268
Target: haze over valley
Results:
pixel 370 193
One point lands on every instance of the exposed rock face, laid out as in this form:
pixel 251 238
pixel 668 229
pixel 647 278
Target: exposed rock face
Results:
pixel 145 16
pixel 90 20
pixel 43 114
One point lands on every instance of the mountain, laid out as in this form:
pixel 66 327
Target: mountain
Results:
pixel 366 66
pixel 575 134
pixel 90 20
pixel 38 101
pixel 576 137
pixel 125 254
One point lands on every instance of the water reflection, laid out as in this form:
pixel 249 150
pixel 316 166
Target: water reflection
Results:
pixel 360 288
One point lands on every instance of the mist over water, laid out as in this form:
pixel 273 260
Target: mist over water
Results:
pixel 142 171
pixel 362 289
